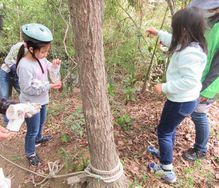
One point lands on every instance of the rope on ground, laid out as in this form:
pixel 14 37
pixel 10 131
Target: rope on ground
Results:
pixel 53 170
pixel 21 167
pixel 106 176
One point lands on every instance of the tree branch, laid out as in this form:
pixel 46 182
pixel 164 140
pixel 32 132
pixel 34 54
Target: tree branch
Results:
pixel 147 76
pixel 171 5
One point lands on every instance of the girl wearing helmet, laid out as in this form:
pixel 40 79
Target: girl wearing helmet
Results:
pixel 32 70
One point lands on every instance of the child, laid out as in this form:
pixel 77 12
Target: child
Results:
pixel 8 76
pixel 187 47
pixel 32 70
pixel 210 80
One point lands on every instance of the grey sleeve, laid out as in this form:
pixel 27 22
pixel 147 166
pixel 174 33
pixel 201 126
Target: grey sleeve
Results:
pixel 27 85
pixel 12 55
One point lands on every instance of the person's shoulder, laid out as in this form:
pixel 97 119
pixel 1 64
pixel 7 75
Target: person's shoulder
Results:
pixel 24 63
pixel 17 45
pixel 193 46
pixel 213 30
pixel 194 50
pixel 216 25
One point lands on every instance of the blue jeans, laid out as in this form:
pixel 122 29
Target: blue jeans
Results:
pixel 7 82
pixel 172 115
pixel 200 119
pixel 34 130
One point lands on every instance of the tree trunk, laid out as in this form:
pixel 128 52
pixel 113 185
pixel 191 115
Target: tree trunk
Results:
pixel 86 17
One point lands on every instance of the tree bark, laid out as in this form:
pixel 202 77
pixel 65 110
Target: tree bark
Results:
pixel 86 17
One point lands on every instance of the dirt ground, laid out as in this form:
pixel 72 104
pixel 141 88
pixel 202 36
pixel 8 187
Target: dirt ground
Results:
pixel 131 144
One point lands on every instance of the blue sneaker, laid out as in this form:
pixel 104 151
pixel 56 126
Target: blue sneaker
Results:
pixel 43 140
pixel 153 151
pixel 167 175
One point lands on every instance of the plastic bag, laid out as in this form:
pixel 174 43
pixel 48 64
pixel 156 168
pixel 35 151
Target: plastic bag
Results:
pixel 4 182
pixel 54 73
pixel 16 114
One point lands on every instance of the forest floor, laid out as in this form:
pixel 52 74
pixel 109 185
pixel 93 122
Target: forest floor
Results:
pixel 70 148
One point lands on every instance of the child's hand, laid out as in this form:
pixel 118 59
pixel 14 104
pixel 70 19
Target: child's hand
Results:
pixel 151 31
pixel 158 88
pixel 56 61
pixel 57 85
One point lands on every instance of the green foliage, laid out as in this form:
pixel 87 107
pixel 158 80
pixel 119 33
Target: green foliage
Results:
pixel 129 89
pixel 64 138
pixel 126 53
pixel 73 160
pixel 124 121
pixel 15 157
pixel 198 168
pixel 139 183
pixel 64 154
pixel 76 122
pixel 52 13
pixel 127 50
pixel 111 89
pixel 129 94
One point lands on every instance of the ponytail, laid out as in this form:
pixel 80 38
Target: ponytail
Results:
pixel 20 54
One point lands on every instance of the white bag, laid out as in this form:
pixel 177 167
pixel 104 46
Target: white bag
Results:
pixel 4 182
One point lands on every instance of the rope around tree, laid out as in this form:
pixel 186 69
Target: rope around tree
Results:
pixel 89 172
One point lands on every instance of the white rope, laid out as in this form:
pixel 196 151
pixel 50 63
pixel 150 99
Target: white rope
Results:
pixel 106 176
pixel 23 168
pixel 53 168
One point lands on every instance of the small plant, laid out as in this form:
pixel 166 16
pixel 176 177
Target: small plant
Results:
pixel 135 184
pixel 54 109
pixel 15 158
pixel 64 138
pixel 111 89
pixel 124 121
pixel 129 94
pixel 74 160
pixel 129 89
pixel 76 122
pixel 65 156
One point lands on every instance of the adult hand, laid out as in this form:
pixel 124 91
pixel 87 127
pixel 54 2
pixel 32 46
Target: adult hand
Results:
pixel 202 99
pixel 152 31
pixel 4 133
pixel 57 85
pixel 158 88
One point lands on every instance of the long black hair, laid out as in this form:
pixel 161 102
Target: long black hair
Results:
pixel 188 25
pixel 35 46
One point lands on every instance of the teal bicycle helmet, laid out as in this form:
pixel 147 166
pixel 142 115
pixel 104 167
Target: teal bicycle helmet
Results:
pixel 36 33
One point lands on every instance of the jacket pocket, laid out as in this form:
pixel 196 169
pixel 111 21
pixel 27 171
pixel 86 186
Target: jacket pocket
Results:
pixel 187 108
